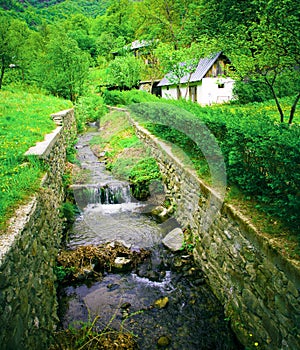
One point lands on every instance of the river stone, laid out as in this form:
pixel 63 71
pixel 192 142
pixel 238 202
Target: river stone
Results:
pixel 174 240
pixel 163 341
pixel 160 213
pixel 125 305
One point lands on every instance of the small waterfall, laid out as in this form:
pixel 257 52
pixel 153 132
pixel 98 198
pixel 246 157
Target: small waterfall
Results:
pixel 115 194
pixel 107 193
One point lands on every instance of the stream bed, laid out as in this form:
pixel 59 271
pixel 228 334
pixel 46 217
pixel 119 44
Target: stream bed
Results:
pixel 165 301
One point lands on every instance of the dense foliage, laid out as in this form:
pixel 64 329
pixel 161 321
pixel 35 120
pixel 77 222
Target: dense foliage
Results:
pixel 260 37
pixel 261 156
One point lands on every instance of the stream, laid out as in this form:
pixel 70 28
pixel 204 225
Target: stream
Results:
pixel 190 318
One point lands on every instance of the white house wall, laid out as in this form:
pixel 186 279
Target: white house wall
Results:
pixel 169 92
pixel 208 92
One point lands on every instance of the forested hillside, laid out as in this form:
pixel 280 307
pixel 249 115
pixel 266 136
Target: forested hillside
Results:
pixel 34 12
pixel 260 37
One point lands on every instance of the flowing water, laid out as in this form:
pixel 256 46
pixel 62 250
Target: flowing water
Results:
pixel 192 318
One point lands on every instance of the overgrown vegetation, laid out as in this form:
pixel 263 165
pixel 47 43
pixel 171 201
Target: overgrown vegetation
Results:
pixel 261 156
pixel 24 120
pixel 89 108
pixel 121 98
pixel 87 336
pixel 125 155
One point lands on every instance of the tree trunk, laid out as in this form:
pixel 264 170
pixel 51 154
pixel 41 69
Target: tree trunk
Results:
pixel 276 100
pixel 293 109
pixel 188 85
pixel 178 92
pixel 2 73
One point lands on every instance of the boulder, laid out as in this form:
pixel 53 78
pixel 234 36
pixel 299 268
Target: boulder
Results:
pixel 174 240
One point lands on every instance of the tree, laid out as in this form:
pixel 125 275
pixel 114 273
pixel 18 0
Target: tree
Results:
pixel 63 68
pixel 13 34
pixel 262 39
pixel 163 20
pixel 118 20
pixel 124 72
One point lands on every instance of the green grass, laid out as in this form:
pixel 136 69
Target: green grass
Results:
pixel 265 108
pixel 24 120
pixel 126 156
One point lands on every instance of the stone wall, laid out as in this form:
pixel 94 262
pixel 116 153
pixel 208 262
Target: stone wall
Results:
pixel 29 248
pixel 256 283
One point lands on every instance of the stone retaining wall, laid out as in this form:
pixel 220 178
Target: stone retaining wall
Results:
pixel 29 248
pixel 258 286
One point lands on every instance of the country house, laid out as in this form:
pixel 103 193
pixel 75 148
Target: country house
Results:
pixel 207 84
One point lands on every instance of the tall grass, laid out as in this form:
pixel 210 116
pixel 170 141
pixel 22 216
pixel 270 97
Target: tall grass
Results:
pixel 24 120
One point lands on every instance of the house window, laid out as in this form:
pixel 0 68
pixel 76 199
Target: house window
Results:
pixel 221 85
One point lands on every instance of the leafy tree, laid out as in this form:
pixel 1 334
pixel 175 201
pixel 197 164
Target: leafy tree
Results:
pixel 14 5
pixel 104 44
pixel 163 20
pixel 13 34
pixel 124 72
pixel 262 39
pixel 65 9
pixel 63 68
pixel 84 41
pixel 118 20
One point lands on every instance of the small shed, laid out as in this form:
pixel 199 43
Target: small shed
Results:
pixel 208 84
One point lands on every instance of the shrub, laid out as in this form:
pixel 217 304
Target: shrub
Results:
pixel 89 108
pixel 114 97
pixel 141 175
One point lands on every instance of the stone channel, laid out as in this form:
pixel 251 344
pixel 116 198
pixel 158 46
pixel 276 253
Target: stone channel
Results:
pixel 165 301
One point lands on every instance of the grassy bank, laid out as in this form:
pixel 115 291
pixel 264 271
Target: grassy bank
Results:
pixel 24 120
pixel 125 154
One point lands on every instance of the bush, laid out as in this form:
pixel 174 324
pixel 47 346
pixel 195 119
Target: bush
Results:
pixel 247 92
pixel 114 97
pixel 89 109
pixel 141 175
pixel 257 91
